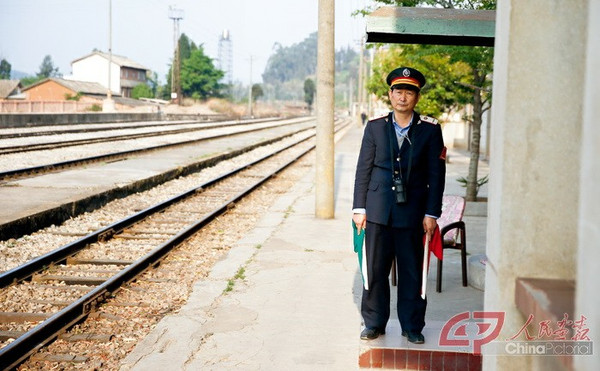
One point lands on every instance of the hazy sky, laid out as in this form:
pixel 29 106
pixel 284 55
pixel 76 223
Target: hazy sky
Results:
pixel 142 31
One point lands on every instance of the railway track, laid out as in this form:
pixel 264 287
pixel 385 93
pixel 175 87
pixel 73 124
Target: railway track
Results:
pixel 111 138
pixel 94 267
pixel 91 128
pixel 40 169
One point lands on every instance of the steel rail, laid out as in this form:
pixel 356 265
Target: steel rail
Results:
pixel 77 142
pixel 19 350
pixel 14 230
pixel 59 255
pixel 108 126
pixel 69 163
pixel 29 134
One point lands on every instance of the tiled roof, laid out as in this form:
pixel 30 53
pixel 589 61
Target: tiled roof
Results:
pixel 83 87
pixel 7 87
pixel 130 101
pixel 117 59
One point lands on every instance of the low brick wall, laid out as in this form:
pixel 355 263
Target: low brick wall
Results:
pixel 16 120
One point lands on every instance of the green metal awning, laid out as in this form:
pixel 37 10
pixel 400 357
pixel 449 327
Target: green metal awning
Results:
pixel 406 25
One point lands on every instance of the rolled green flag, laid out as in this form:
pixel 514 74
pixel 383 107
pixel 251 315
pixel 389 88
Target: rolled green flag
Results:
pixel 360 249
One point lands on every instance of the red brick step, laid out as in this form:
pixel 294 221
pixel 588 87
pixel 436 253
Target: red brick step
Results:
pixel 393 351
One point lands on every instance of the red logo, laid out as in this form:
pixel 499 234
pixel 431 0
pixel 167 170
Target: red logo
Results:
pixel 486 331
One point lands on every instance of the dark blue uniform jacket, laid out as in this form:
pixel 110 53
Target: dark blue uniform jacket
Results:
pixel 373 182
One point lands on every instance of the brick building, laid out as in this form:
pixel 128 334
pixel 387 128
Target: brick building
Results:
pixel 55 89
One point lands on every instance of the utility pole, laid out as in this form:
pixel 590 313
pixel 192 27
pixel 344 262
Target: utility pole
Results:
pixel 361 82
pixel 108 105
pixel 369 73
pixel 176 15
pixel 351 97
pixel 250 91
pixel 324 197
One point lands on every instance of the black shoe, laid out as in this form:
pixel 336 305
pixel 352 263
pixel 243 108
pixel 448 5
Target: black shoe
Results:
pixel 371 333
pixel 414 337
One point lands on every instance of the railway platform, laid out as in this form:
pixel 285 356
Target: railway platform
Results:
pixel 287 296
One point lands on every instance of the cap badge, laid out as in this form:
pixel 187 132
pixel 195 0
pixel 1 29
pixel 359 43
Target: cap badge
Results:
pixel 406 72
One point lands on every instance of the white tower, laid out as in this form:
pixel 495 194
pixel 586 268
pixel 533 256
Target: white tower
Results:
pixel 225 63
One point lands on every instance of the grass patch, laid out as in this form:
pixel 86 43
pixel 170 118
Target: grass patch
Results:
pixel 288 212
pixel 238 275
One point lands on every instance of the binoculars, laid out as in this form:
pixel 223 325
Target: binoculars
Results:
pixel 399 190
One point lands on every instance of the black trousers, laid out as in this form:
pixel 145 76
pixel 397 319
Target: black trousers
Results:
pixel 383 243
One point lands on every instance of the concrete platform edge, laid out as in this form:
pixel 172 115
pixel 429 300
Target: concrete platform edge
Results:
pixel 172 335
pixel 56 215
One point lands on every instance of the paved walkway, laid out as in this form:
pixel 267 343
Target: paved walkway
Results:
pixel 297 306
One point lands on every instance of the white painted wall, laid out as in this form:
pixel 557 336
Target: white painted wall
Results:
pixel 95 69
pixel 588 301
pixel 534 217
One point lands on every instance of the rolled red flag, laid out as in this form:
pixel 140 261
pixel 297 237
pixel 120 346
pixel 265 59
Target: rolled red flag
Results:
pixel 433 245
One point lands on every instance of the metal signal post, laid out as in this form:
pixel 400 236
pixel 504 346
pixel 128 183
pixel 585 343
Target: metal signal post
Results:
pixel 176 15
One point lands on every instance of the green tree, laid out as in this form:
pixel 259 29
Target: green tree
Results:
pixel 199 77
pixel 292 63
pixel 47 69
pixel 141 91
pixel 30 80
pixel 5 69
pixel 153 82
pixel 440 94
pixel 345 59
pixel 166 89
pixel 288 68
pixel 186 47
pixel 346 76
pixel 458 75
pixel 480 60
pixel 309 92
pixel 257 92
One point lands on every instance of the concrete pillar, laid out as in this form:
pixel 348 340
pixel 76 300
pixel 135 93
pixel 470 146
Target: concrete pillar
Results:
pixel 588 300
pixel 537 118
pixel 324 205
